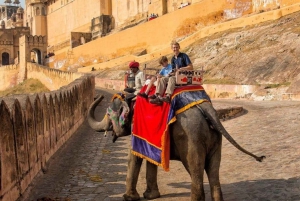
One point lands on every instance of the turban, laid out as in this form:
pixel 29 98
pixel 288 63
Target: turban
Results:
pixel 134 64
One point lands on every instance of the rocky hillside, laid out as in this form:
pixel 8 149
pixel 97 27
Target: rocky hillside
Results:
pixel 266 54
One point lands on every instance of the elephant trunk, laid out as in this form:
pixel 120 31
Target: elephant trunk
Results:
pixel 104 125
pixel 210 113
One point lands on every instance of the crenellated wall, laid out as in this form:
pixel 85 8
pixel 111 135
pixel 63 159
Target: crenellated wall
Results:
pixel 53 79
pixel 34 127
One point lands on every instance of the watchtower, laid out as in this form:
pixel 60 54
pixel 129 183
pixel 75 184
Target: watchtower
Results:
pixel 36 16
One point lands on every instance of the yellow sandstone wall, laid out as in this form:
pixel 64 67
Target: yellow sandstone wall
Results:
pixel 8 76
pixel 195 21
pixel 126 11
pixel 39 26
pixel 51 78
pixel 63 19
pixel 153 35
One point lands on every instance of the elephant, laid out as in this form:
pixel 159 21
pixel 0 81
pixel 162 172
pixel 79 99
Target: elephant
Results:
pixel 198 147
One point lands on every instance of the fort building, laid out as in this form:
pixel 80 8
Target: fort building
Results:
pixel 71 34
pixel 11 28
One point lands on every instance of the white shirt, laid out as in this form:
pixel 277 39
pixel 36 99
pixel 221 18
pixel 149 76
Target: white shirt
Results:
pixel 139 81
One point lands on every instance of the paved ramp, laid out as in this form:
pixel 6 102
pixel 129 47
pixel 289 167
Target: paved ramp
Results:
pixel 90 167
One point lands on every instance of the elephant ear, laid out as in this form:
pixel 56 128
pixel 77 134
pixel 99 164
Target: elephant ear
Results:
pixel 123 119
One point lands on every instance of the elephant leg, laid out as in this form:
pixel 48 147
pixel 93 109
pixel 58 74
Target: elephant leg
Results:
pixel 197 188
pixel 212 170
pixel 195 167
pixel 152 191
pixel 133 170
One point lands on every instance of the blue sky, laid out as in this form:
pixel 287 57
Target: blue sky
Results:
pixel 22 3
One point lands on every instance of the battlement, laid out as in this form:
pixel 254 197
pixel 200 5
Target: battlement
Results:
pixel 9 67
pixel 34 127
pixel 35 39
pixel 53 79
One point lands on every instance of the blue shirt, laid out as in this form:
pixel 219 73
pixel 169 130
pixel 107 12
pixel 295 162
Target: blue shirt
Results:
pixel 182 60
pixel 166 70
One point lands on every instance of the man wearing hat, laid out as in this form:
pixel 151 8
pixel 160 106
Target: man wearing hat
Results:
pixel 139 77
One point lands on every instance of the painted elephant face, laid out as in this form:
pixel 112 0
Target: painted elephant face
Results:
pixel 119 114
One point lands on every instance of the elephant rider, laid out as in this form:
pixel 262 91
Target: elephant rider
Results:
pixel 138 77
pixel 180 61
pixel 139 81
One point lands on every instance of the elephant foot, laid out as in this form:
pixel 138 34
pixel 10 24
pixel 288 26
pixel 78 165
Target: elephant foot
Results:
pixel 131 197
pixel 150 195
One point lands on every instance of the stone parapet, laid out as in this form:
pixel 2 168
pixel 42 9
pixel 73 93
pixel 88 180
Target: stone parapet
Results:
pixel 216 91
pixel 53 79
pixel 34 127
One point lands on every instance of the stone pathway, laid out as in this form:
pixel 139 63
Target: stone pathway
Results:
pixel 90 167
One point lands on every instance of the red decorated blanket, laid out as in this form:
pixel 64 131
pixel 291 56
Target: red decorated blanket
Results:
pixel 150 134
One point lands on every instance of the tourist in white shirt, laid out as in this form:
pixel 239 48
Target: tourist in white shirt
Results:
pixel 139 76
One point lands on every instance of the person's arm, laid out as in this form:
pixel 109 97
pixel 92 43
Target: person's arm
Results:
pixel 160 74
pixel 188 62
pixel 188 67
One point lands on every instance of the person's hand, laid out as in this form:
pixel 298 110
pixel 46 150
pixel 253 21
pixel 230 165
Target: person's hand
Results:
pixel 171 74
pixel 178 69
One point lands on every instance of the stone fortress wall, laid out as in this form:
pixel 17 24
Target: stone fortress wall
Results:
pixel 33 127
pixel 198 20
pixel 53 79
pixel 8 76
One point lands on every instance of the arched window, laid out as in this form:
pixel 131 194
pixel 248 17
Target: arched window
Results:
pixel 5 58
pixel 36 56
pixel 37 11
pixel 43 11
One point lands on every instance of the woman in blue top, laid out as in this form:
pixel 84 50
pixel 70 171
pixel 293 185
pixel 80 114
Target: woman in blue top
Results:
pixel 164 72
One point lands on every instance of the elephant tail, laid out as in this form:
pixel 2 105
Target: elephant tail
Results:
pixel 211 115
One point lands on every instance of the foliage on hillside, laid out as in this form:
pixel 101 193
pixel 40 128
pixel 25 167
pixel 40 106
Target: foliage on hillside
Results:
pixel 27 87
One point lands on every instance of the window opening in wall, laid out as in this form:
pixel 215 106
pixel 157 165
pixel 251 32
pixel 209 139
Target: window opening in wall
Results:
pixel 38 11
pixel 5 58
pixel 36 56
pixel 43 11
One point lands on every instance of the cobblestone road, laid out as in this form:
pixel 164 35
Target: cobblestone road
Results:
pixel 91 167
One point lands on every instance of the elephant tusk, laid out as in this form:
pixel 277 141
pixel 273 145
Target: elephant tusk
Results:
pixel 105 133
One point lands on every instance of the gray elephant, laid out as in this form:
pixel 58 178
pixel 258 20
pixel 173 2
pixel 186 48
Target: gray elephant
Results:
pixel 198 147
